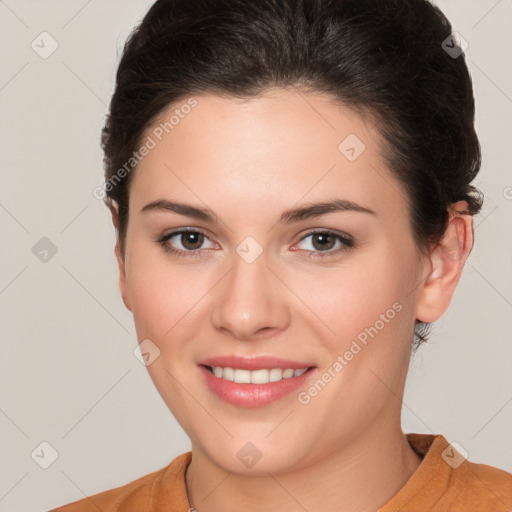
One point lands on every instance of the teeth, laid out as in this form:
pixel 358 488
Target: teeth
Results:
pixel 275 374
pixel 255 376
pixel 260 376
pixel 287 373
pixel 227 374
pixel 241 376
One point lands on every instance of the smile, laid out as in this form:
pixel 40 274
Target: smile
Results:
pixel 262 376
pixel 257 387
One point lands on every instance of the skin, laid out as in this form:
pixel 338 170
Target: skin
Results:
pixel 248 162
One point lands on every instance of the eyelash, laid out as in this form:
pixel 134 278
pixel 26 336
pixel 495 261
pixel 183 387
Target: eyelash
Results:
pixel 347 244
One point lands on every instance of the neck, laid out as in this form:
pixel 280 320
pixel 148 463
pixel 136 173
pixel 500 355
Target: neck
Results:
pixel 359 477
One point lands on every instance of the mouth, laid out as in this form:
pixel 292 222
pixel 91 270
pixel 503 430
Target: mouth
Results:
pixel 258 383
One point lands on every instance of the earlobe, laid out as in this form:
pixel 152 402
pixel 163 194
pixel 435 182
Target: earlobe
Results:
pixel 444 265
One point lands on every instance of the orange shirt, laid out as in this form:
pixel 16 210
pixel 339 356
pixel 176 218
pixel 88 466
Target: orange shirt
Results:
pixel 443 482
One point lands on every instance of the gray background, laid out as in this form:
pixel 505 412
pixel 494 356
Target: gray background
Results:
pixel 68 373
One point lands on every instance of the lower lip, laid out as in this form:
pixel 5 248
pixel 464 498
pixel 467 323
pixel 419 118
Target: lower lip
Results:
pixel 253 395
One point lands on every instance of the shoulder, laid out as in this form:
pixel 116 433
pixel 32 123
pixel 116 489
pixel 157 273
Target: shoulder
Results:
pixel 135 496
pixel 480 486
pixel 447 481
pixel 485 485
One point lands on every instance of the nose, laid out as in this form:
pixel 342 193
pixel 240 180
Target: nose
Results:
pixel 250 302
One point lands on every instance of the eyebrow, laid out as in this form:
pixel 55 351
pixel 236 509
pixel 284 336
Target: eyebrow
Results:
pixel 298 214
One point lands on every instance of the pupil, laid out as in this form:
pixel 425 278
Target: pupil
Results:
pixel 326 238
pixel 189 240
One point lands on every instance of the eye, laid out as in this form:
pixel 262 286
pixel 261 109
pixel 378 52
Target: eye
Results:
pixel 189 242
pixel 325 243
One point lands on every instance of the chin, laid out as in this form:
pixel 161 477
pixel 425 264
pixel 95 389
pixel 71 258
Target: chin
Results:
pixel 255 458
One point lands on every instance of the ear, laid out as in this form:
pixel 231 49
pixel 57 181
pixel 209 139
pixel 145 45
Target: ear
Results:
pixel 446 261
pixel 120 260
pixel 122 276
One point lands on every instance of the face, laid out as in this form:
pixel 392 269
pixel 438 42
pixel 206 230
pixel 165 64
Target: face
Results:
pixel 332 289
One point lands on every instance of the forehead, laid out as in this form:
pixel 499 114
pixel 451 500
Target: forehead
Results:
pixel 272 149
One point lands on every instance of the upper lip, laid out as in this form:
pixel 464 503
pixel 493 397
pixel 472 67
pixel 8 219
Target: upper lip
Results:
pixel 254 363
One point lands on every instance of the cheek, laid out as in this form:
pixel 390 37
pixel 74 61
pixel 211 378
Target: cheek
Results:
pixel 368 311
pixel 351 297
pixel 368 353
pixel 162 295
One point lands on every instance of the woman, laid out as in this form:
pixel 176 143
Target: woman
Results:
pixel 290 181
